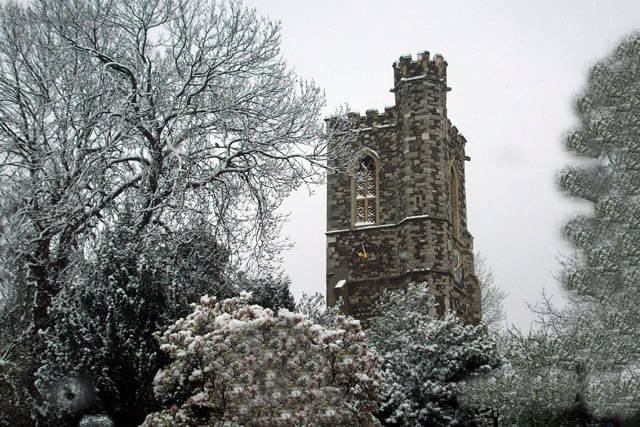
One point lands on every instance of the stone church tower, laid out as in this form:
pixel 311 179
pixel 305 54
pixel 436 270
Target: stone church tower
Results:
pixel 400 216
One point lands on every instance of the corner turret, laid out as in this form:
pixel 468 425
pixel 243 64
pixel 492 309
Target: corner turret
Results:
pixel 406 69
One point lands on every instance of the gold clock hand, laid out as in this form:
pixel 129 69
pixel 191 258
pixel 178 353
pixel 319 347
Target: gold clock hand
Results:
pixel 364 251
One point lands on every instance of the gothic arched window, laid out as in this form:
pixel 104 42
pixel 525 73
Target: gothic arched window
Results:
pixel 365 192
pixel 453 194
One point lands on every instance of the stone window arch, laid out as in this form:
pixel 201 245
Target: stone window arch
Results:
pixel 454 197
pixel 364 190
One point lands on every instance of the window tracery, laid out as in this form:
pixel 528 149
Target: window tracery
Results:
pixel 365 192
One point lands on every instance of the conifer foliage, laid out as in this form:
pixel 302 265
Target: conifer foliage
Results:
pixel 601 326
pixel 100 354
pixel 607 143
pixel 603 277
pixel 581 365
pixel 425 358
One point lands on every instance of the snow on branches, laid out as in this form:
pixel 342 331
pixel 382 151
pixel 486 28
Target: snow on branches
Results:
pixel 607 145
pixel 243 364
pixel 425 357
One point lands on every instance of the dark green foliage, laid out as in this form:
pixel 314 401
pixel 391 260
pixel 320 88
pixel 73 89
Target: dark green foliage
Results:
pixel 101 348
pixel 269 292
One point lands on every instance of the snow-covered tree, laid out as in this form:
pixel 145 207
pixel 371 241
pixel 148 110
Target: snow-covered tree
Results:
pixel 182 107
pixel 240 364
pixel 314 306
pixel 8 389
pixel 535 385
pixel 546 380
pixel 581 364
pixel 604 272
pixel 101 350
pixel 599 329
pixel 425 358
pixel 179 111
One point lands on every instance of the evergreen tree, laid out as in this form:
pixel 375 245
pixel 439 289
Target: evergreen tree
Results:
pixel 601 325
pixel 100 354
pixel 425 358
pixel 268 292
pixel 603 277
pixel 608 138
pixel 605 270
pixel 581 365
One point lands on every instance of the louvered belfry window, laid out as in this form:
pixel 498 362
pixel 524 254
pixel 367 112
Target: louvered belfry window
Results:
pixel 365 192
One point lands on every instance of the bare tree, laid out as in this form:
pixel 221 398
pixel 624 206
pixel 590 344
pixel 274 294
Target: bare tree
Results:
pixel 174 111
pixel 492 296
pixel 179 108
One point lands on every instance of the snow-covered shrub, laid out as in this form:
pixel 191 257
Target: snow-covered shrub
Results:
pixel 95 421
pixel 533 386
pixel 100 352
pixel 245 365
pixel 544 382
pixel 425 358
pixel 314 306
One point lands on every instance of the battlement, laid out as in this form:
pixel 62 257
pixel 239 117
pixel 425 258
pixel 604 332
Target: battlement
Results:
pixel 372 118
pixel 406 69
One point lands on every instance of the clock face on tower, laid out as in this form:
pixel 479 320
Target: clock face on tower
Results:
pixel 365 251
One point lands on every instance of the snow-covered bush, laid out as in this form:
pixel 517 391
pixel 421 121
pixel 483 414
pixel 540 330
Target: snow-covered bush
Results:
pixel 534 386
pixel 425 358
pixel 100 353
pixel 314 306
pixel 242 364
pixel 95 421
pixel 544 382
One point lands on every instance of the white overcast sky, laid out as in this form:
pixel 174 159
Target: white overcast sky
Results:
pixel 514 67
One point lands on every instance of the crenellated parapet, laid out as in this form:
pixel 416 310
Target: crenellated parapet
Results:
pixel 406 69
pixel 373 118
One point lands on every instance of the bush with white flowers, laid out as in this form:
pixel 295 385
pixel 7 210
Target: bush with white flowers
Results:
pixel 236 363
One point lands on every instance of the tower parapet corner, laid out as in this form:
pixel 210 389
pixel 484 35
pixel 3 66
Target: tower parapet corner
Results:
pixel 371 112
pixel 406 68
pixel 441 66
